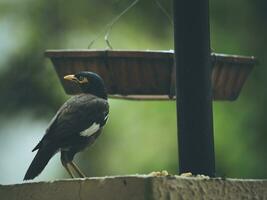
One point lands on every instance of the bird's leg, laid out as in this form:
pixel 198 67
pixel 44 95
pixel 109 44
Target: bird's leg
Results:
pixel 67 163
pixel 68 168
pixel 77 169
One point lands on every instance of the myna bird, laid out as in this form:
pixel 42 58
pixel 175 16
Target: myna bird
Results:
pixel 76 125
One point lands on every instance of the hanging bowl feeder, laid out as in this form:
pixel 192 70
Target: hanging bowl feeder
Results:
pixel 147 75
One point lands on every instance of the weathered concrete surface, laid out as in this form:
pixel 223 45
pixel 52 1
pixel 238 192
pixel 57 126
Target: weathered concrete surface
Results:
pixel 137 188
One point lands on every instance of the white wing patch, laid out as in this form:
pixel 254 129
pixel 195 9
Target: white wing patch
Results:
pixel 91 130
pixel 106 118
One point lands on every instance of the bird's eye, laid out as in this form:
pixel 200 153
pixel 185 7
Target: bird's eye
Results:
pixel 80 78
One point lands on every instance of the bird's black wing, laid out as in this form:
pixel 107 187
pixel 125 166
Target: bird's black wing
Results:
pixel 74 116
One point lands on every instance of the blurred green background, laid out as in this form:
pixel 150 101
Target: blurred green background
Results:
pixel 140 137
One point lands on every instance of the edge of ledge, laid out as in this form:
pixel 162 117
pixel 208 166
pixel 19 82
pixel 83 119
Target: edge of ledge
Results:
pixel 138 187
pixel 139 176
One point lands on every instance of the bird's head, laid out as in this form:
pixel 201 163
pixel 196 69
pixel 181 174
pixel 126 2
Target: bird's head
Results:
pixel 89 82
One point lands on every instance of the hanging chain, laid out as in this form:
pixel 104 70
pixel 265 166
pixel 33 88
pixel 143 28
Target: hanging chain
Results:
pixel 165 12
pixel 109 26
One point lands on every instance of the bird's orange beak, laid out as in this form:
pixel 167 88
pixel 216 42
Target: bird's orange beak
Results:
pixel 70 78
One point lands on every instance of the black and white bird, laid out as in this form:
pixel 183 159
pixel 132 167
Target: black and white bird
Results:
pixel 76 125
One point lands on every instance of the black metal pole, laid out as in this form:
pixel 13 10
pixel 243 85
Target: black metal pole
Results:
pixel 193 87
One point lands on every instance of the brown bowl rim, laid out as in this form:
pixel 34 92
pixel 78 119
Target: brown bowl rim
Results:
pixel 168 54
pixel 108 53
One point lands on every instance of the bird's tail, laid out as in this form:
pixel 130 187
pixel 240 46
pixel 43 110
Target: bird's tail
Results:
pixel 39 162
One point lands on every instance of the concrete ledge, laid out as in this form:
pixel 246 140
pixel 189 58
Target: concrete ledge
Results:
pixel 137 188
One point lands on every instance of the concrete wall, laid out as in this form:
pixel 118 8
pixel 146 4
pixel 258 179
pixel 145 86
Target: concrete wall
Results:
pixel 137 188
